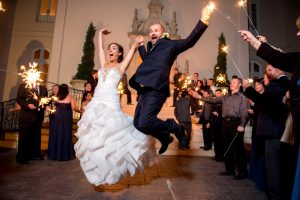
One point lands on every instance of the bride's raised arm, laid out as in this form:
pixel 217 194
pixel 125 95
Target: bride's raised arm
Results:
pixel 124 65
pixel 102 32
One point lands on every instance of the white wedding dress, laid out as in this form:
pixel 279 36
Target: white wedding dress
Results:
pixel 108 145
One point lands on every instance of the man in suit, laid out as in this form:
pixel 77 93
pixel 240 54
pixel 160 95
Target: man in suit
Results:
pixel 27 122
pixel 41 91
pixel 152 81
pixel 206 122
pixel 216 123
pixel 272 115
pixel 176 78
pixel 182 114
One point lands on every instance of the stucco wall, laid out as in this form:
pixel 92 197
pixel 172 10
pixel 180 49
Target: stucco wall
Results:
pixel 27 34
pixel 74 17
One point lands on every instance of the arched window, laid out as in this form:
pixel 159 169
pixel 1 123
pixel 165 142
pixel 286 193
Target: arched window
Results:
pixel 255 70
pixel 42 57
pixel 46 10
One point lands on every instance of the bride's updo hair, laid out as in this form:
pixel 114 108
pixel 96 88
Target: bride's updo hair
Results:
pixel 121 50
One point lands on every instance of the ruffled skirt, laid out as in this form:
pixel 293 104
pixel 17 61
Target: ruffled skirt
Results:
pixel 109 146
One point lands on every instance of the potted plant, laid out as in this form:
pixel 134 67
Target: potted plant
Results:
pixel 86 66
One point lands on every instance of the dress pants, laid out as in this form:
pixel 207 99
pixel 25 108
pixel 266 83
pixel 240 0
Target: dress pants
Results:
pixel 207 135
pixel 217 138
pixel 236 153
pixel 145 117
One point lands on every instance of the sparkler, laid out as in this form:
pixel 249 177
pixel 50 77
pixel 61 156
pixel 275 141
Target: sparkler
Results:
pixel 221 78
pixel 224 91
pixel 228 18
pixel 207 11
pixel 31 76
pixel 225 49
pixel 243 4
pixel 1 7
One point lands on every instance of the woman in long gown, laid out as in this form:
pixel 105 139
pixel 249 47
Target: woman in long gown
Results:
pixel 60 145
pixel 108 145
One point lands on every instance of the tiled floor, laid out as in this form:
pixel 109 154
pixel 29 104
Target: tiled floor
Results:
pixel 173 177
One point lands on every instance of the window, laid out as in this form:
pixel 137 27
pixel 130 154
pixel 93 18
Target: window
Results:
pixel 42 56
pixel 47 10
pixel 253 9
pixel 255 69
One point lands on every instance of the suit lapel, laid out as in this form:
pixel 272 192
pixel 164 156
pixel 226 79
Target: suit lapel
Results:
pixel 150 47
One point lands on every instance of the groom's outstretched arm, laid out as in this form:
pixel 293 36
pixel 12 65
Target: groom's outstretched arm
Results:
pixel 190 41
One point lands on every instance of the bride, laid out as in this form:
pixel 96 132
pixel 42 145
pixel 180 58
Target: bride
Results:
pixel 108 145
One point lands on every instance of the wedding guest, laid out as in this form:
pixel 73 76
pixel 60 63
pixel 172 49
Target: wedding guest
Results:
pixel 211 85
pixel 257 166
pixel 216 123
pixel 176 81
pixel 87 97
pixel 182 114
pixel 27 122
pixel 60 146
pixel 289 62
pixel 36 154
pixel 206 122
pixel 93 79
pixel 88 86
pixel 234 114
pixel 272 115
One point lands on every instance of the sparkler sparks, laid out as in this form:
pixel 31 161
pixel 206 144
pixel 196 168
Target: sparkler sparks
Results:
pixel 211 7
pixel 225 49
pixel 221 78
pixel 1 7
pixel 243 4
pixel 31 76
pixel 224 91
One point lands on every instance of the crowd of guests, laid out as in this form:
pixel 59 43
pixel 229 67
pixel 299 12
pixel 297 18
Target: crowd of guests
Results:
pixel 264 105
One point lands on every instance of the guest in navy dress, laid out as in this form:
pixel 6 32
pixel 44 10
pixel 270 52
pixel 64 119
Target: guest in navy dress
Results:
pixel 60 146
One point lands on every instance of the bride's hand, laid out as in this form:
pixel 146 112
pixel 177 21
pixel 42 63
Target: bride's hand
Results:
pixel 104 31
pixel 138 41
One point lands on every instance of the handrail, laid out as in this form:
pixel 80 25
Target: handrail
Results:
pixel 9 115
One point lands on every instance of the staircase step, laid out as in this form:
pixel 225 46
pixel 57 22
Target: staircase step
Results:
pixel 11 138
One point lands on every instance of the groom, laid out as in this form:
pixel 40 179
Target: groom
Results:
pixel 151 81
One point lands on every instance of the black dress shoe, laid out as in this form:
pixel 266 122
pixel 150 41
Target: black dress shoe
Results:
pixel 226 173
pixel 23 162
pixel 165 144
pixel 206 148
pixel 240 176
pixel 38 158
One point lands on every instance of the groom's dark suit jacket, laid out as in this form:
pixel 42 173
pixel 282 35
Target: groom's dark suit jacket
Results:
pixel 157 61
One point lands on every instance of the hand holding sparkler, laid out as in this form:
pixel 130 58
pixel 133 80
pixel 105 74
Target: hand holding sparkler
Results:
pixel 206 11
pixel 246 83
pixel 104 31
pixel 195 94
pixel 248 37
